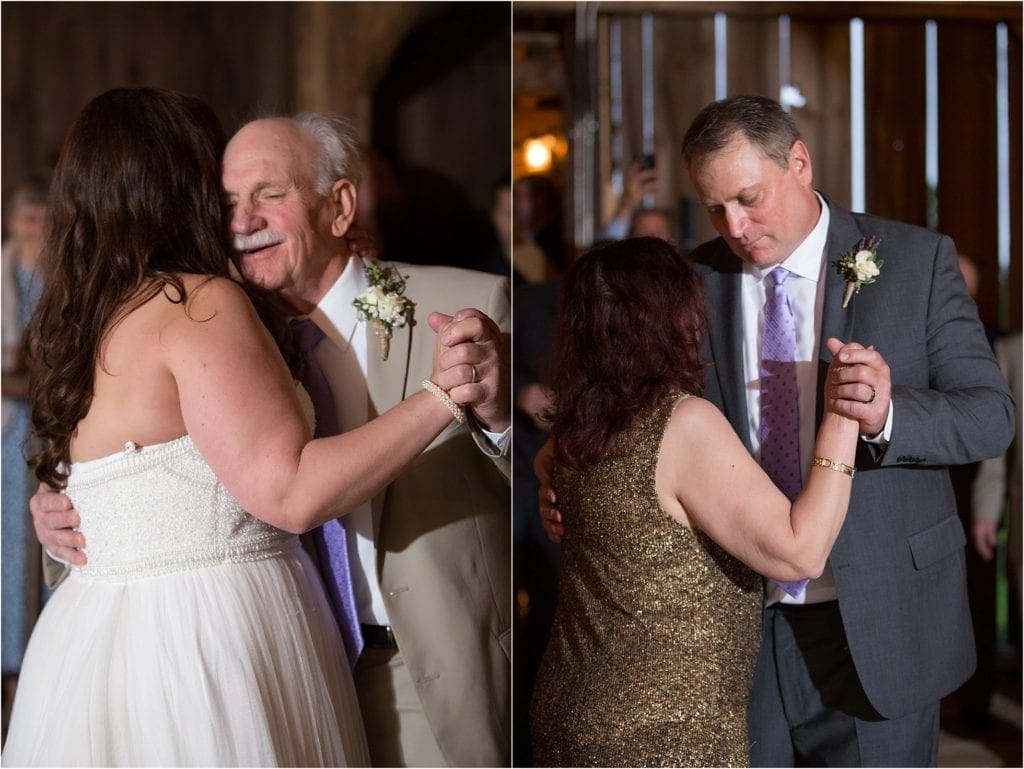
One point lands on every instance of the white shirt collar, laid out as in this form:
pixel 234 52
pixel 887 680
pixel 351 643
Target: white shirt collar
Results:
pixel 805 260
pixel 335 313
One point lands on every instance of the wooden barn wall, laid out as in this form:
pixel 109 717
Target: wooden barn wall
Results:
pixel 967 194
pixel 894 74
pixel 245 58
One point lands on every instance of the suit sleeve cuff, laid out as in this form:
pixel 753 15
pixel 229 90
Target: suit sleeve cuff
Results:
pixel 882 439
pixel 491 444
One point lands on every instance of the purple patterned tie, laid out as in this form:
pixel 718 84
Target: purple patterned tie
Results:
pixel 780 420
pixel 329 538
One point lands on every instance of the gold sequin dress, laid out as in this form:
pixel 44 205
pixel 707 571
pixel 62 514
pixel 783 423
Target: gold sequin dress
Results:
pixel 657 630
pixel 196 635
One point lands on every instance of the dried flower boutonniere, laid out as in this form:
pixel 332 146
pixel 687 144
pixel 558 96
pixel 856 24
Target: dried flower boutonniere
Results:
pixel 860 266
pixel 383 303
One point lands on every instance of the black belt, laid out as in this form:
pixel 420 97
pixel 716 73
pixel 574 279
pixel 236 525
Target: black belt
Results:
pixel 819 607
pixel 378 636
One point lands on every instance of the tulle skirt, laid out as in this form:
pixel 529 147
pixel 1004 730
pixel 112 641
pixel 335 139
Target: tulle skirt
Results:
pixel 236 664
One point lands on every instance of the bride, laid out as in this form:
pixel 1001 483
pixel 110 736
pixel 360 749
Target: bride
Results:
pixel 199 632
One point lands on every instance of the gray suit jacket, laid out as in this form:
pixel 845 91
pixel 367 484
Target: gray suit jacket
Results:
pixel 443 537
pixel 899 559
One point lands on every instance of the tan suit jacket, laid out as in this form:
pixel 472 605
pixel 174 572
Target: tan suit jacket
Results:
pixel 443 538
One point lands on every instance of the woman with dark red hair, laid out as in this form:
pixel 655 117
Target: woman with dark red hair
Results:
pixel 672 524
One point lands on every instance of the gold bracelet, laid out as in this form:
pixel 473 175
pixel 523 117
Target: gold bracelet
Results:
pixel 446 399
pixel 832 464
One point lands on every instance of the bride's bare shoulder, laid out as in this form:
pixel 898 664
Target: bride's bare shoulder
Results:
pixel 206 298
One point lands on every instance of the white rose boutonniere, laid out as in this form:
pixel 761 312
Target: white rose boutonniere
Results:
pixel 382 302
pixel 860 267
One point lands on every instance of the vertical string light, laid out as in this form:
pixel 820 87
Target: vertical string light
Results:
pixel 647 90
pixel 931 124
pixel 857 133
pixel 584 124
pixel 789 93
pixel 721 70
pixel 1003 170
pixel 784 61
pixel 615 99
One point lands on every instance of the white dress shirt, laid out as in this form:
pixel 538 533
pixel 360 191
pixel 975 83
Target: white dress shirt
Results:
pixel 342 356
pixel 806 289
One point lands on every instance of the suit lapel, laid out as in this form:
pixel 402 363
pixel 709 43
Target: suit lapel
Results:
pixel 843 235
pixel 387 384
pixel 725 337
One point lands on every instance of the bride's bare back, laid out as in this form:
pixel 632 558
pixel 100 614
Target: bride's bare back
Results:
pixel 135 396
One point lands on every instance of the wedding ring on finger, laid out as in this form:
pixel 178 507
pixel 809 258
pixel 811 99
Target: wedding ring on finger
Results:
pixel 872 398
pixel 473 380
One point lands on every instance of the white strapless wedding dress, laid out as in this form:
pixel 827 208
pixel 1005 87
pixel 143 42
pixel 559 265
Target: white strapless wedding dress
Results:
pixel 196 635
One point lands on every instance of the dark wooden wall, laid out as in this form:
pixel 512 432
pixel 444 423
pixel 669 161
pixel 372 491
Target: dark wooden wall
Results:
pixel 246 58
pixel 894 72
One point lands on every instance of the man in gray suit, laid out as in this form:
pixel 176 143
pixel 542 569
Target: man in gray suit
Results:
pixel 429 557
pixel 852 665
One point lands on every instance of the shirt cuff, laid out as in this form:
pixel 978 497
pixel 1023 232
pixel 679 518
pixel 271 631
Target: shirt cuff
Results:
pixel 490 443
pixel 883 438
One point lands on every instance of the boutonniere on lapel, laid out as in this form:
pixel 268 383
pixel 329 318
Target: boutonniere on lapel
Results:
pixel 382 302
pixel 860 267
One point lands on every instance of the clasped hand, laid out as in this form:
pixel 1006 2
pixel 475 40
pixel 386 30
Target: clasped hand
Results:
pixel 859 386
pixel 471 364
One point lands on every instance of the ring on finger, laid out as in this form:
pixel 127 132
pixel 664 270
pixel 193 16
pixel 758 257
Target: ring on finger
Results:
pixel 473 380
pixel 873 393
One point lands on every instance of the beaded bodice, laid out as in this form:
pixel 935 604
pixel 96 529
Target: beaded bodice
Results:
pixel 160 508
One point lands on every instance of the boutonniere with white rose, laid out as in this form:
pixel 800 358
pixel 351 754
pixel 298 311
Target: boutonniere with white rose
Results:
pixel 860 267
pixel 383 303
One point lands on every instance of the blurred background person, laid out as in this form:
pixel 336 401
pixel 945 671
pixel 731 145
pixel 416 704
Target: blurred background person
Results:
pixel 654 223
pixel 538 247
pixel 21 286
pixel 995 501
pixel 501 220
pixel 974 697
pixel 639 185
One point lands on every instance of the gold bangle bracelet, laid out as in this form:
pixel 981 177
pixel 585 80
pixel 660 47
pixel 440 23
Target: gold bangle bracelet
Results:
pixel 832 464
pixel 446 399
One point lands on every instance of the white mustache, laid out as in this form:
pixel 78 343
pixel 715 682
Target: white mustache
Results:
pixel 257 240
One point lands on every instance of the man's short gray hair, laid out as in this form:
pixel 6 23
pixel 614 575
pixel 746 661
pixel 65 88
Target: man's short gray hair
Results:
pixel 336 148
pixel 761 120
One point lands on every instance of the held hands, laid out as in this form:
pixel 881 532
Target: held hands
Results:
pixel 55 520
pixel 471 364
pixel 858 385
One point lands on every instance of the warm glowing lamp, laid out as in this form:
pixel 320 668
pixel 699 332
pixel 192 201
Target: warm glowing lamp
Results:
pixel 538 155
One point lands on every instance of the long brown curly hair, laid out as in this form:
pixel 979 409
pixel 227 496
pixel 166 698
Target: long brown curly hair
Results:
pixel 135 201
pixel 631 320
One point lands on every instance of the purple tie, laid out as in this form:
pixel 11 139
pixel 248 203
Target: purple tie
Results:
pixel 329 538
pixel 780 421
